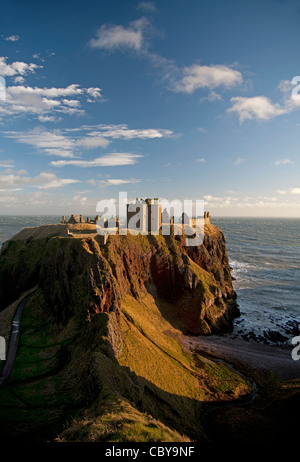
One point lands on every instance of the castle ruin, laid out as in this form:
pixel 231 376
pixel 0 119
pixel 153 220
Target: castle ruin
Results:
pixel 144 216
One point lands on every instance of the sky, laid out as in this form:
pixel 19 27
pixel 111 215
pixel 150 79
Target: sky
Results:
pixel 169 99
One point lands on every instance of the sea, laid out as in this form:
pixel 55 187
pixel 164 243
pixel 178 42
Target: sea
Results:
pixel 264 255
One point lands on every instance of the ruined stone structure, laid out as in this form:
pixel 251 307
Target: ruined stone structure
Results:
pixel 198 221
pixel 144 216
pixel 112 222
pixel 206 218
pixel 76 219
pixel 103 222
pixel 166 219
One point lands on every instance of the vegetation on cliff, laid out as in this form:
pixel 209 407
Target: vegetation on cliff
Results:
pixel 100 357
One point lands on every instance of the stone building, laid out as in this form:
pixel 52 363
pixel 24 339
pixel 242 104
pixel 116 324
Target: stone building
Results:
pixel 144 216
pixel 166 219
pixel 195 221
pixel 113 222
pixel 94 221
pixel 76 219
pixel 206 218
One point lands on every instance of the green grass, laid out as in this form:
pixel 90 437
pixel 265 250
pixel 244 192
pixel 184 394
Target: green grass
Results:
pixel 116 420
pixel 122 376
pixel 38 350
pixel 35 396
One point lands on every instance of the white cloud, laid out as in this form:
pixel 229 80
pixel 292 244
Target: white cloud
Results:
pixel 123 132
pixel 196 76
pixel 291 95
pixel 211 97
pixel 148 7
pixel 69 143
pixel 50 142
pixel 201 130
pixel 257 107
pixel 47 92
pixel 136 37
pixel 49 180
pixel 42 181
pixel 38 101
pixel 45 118
pixel 295 190
pixel 94 92
pixel 19 79
pixel 239 161
pixel 283 162
pixel 92 142
pixel 201 159
pixel 12 38
pixel 80 200
pixel 250 205
pixel 108 160
pixel 262 108
pixel 16 68
pixel 113 182
pixel 112 37
pixel 116 182
pixel 71 102
pixel 6 163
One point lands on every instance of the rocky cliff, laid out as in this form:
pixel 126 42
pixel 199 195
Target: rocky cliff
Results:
pixel 78 277
pixel 101 335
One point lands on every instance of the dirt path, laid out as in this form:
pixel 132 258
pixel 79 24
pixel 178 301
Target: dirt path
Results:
pixel 243 354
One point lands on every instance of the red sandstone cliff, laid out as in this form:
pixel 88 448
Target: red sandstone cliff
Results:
pixel 191 285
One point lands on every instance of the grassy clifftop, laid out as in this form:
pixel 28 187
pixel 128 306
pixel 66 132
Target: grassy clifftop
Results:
pixel 78 277
pixel 100 357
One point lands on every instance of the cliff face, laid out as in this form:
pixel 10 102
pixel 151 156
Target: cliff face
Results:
pixel 78 277
pixel 101 335
pixel 101 356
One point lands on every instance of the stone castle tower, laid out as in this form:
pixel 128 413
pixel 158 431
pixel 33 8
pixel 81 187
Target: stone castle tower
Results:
pixel 144 216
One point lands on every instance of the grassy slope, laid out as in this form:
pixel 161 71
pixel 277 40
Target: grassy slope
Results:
pixel 68 374
pixel 155 375
pixel 144 396
pixel 35 395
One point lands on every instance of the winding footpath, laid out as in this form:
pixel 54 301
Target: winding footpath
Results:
pixel 13 341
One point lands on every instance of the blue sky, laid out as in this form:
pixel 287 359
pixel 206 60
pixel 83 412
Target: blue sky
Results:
pixel 170 99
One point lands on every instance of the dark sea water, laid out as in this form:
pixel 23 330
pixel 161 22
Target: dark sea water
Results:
pixel 11 225
pixel 265 259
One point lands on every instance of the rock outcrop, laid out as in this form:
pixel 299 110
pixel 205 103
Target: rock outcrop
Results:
pixel 101 355
pixel 78 277
pixel 101 335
